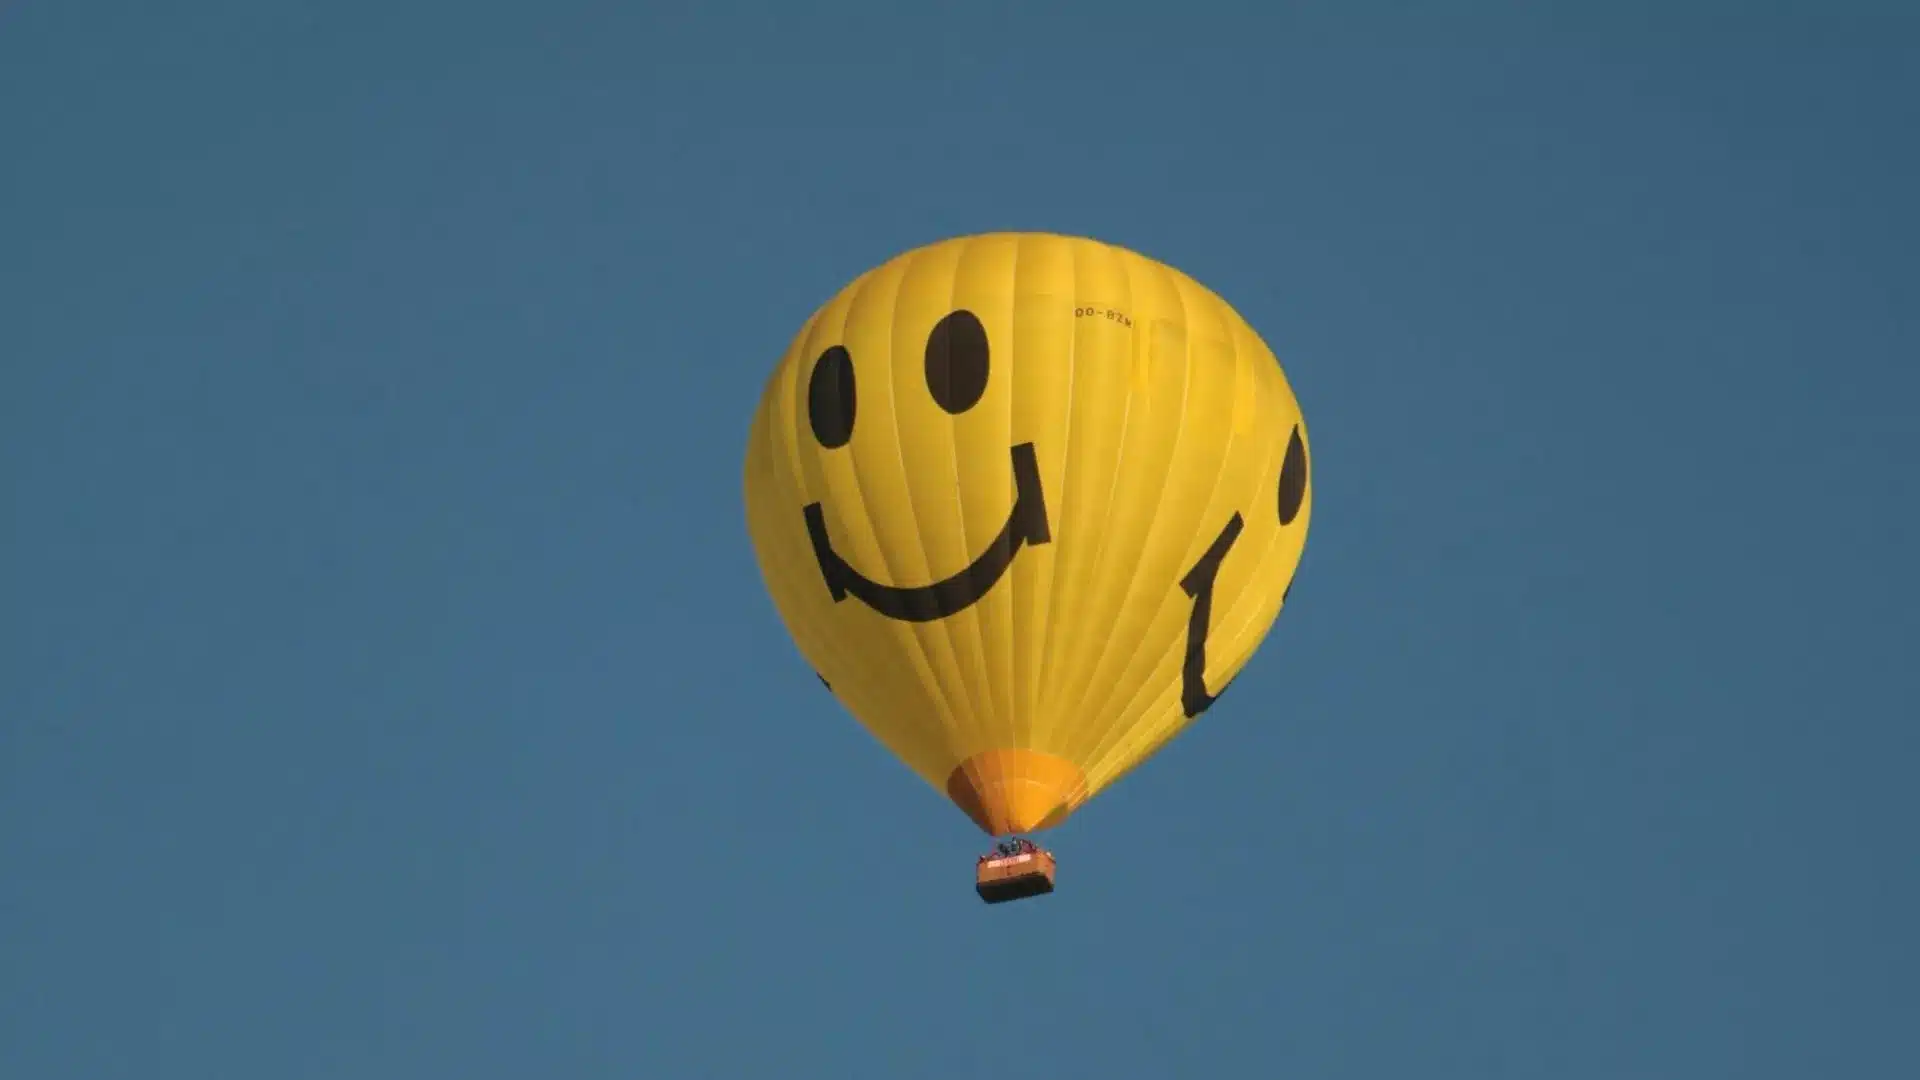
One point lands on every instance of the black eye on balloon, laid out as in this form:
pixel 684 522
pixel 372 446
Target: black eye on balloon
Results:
pixel 957 362
pixel 1293 478
pixel 830 397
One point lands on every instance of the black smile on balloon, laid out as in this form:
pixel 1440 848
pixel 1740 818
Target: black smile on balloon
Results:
pixel 1198 583
pixel 956 370
pixel 1026 524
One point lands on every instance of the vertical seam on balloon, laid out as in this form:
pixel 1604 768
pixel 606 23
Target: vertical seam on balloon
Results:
pixel 947 695
pixel 1049 637
pixel 1010 371
pixel 827 644
pixel 1084 693
pixel 1110 746
pixel 1201 525
pixel 831 642
pixel 1065 713
pixel 780 467
pixel 1112 723
pixel 981 724
pixel 939 695
pixel 1093 574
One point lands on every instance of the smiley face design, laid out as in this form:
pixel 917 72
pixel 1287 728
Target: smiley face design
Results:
pixel 1027 504
pixel 959 363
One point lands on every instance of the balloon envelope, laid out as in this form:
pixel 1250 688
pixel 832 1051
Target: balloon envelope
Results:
pixel 1027 503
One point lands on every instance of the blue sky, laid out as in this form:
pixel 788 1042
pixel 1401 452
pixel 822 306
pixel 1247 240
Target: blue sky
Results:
pixel 387 688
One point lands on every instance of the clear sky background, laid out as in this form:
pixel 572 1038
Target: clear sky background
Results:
pixel 387 689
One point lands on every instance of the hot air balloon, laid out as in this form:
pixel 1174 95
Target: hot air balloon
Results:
pixel 1027 503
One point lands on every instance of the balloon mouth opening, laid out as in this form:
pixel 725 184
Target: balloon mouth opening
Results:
pixel 1016 791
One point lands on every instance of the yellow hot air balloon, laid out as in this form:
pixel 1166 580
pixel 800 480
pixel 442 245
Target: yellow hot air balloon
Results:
pixel 1027 503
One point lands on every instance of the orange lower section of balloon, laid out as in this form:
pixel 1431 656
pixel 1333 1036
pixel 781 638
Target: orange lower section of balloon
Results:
pixel 1016 791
